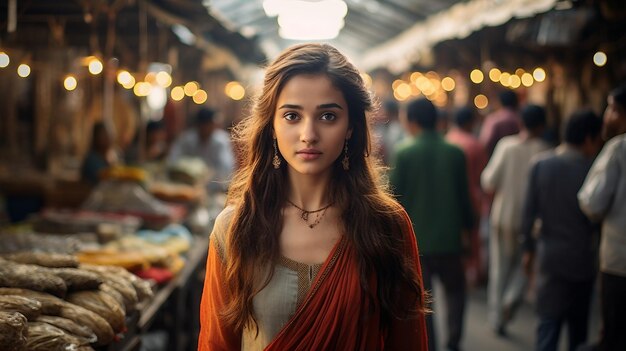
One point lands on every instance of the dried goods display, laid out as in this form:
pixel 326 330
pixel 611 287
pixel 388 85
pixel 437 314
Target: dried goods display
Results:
pixel 13 329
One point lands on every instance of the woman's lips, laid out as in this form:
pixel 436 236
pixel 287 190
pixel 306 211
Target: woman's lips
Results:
pixel 309 154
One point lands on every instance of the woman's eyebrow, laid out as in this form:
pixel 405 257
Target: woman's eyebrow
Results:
pixel 329 105
pixel 319 107
pixel 290 106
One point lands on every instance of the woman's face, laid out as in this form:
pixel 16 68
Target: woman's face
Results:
pixel 614 119
pixel 311 124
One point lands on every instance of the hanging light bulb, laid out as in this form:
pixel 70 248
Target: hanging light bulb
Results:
pixel 4 59
pixel 95 66
pixel 23 70
pixel 599 59
pixel 177 93
pixel 70 83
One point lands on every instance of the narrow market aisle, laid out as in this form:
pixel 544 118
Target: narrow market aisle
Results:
pixel 478 335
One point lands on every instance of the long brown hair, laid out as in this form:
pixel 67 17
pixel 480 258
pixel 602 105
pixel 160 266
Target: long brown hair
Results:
pixel 258 194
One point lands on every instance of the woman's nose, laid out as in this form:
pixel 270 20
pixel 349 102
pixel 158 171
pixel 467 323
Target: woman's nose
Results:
pixel 308 133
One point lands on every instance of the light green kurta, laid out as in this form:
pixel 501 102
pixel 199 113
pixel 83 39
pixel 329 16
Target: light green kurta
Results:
pixel 278 301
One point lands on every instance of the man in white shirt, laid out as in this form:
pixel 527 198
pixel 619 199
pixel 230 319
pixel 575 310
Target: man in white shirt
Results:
pixel 210 143
pixel 603 196
pixel 506 176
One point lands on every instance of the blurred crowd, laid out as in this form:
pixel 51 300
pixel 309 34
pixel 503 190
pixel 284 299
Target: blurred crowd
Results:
pixel 495 200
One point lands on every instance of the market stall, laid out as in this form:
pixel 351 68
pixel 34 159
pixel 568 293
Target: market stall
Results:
pixel 109 274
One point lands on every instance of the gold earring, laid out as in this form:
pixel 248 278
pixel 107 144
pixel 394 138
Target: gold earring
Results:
pixel 346 161
pixel 276 159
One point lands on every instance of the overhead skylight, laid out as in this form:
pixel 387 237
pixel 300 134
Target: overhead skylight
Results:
pixel 307 20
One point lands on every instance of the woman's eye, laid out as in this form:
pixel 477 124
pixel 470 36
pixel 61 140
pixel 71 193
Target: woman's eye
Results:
pixel 290 116
pixel 328 117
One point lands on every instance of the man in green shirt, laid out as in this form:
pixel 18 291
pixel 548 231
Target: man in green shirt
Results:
pixel 430 180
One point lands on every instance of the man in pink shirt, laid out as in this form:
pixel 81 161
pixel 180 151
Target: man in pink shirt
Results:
pixel 461 134
pixel 503 122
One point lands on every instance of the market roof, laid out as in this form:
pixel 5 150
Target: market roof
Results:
pixel 383 32
pixel 42 23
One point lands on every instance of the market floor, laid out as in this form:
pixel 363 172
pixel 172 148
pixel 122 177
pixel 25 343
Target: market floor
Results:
pixel 478 335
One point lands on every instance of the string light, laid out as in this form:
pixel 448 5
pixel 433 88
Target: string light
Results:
pixel 481 101
pixel 142 89
pixel 599 59
pixel 505 79
pixel 191 88
pixel 539 74
pixel 163 79
pixel 527 79
pixel 494 75
pixel 200 97
pixel 95 66
pixel 4 59
pixel 414 76
pixel 177 93
pixel 70 83
pixel 23 70
pixel 396 83
pixel 448 84
pixel 404 90
pixel 235 90
pixel 477 76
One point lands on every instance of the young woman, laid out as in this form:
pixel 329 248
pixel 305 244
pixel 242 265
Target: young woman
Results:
pixel 311 253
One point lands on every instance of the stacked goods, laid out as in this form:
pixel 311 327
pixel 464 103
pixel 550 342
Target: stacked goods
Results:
pixel 13 330
pixel 142 287
pixel 125 197
pixel 50 305
pixel 73 222
pixel 78 279
pixel 29 308
pixel 81 332
pixel 46 337
pixel 100 327
pixel 176 192
pixel 51 260
pixel 15 275
pixel 25 240
pixel 123 286
pixel 103 305
pixel 134 253
pixel 90 306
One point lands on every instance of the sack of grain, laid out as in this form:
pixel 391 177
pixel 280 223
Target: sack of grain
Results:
pixel 83 316
pixel 30 308
pixel 13 330
pixel 50 305
pixel 78 279
pixel 81 332
pixel 102 304
pixel 52 260
pixel 46 337
pixel 15 275
pixel 119 283
pixel 142 286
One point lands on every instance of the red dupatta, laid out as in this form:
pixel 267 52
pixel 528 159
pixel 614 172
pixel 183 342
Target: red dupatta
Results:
pixel 332 315
pixel 335 314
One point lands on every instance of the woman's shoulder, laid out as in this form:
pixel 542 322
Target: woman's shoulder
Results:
pixel 395 212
